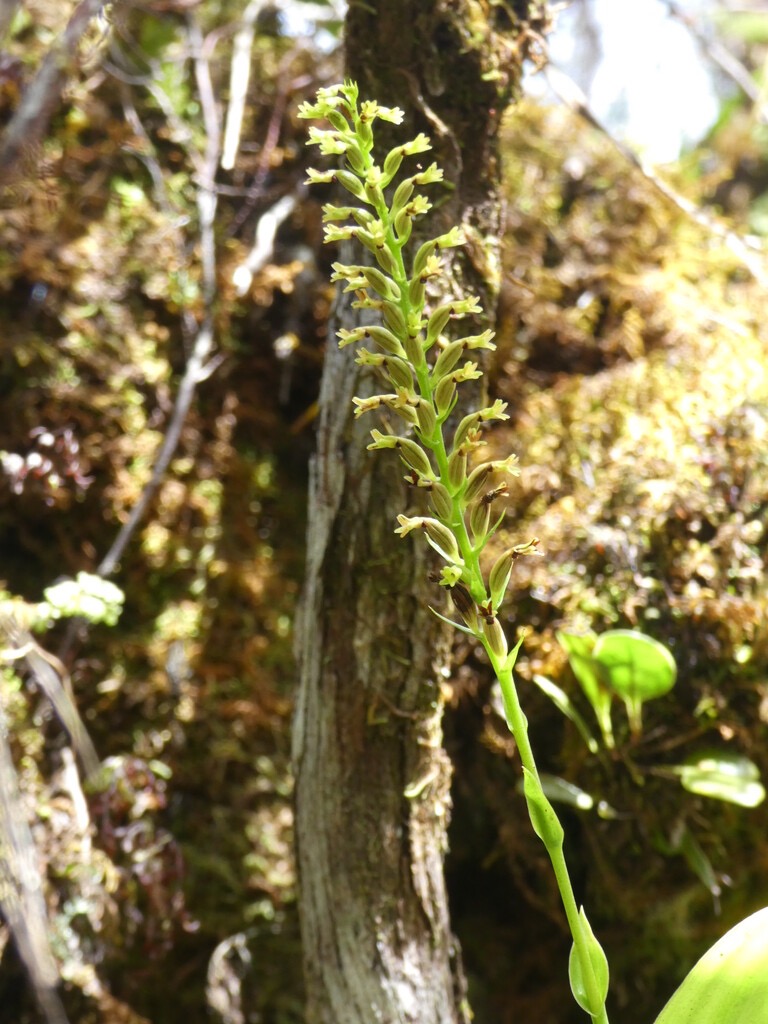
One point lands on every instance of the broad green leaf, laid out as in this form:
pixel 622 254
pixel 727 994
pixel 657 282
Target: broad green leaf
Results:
pixel 638 669
pixel 592 678
pixel 563 703
pixel 723 776
pixel 729 985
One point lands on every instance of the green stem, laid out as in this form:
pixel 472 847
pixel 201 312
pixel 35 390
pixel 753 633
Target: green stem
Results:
pixel 518 725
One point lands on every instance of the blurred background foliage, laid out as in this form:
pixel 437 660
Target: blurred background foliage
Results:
pixel 633 353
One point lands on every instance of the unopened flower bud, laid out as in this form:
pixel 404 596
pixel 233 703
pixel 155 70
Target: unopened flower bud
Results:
pixel 384 285
pixel 355 159
pixel 384 338
pixel 479 519
pixel 416 292
pixel 465 606
pixel 494 636
pixel 482 475
pixel 415 457
pixel 384 257
pixel 441 501
pixel 478 480
pixel 437 322
pixel 445 392
pixel 337 119
pixel 447 359
pixel 392 163
pixel 424 253
pixel 442 540
pixel 498 578
pixel 393 318
pixel 403 223
pixel 425 412
pixel 467 424
pixel 351 183
pixel 413 348
pixel 399 372
pixel 403 193
pixel 457 469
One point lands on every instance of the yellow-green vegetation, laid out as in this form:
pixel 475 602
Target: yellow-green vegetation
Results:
pixel 187 698
pixel 632 357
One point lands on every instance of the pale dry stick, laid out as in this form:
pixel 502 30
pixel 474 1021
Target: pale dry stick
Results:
pixel 44 92
pixel 206 194
pixel 239 77
pixel 752 259
pixel 148 158
pixel 724 59
pixel 199 366
pixel 21 888
pixel 270 143
pixel 53 680
pixel 263 242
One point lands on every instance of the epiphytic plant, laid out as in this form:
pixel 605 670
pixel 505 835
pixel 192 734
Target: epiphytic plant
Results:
pixel 423 366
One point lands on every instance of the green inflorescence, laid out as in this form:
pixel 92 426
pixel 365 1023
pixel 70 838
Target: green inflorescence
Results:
pixel 423 369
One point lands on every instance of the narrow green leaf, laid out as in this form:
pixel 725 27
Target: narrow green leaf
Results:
pixel 687 845
pixel 564 792
pixel 450 622
pixel 512 656
pixel 563 703
pixel 591 675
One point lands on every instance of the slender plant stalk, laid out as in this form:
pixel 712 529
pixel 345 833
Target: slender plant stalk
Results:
pixel 423 368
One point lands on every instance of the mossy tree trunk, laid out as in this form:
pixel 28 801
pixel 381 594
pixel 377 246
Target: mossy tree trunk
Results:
pixel 372 779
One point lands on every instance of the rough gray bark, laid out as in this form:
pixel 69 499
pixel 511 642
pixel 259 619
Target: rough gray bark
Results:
pixel 372 779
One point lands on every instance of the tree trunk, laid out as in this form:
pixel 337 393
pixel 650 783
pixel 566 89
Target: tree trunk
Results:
pixel 372 779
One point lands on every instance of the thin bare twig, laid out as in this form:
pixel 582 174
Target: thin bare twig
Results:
pixel 264 242
pixel 21 889
pixel 51 677
pixel 44 93
pixel 723 57
pixel 199 367
pixel 270 142
pixel 239 77
pixel 148 158
pixel 751 258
